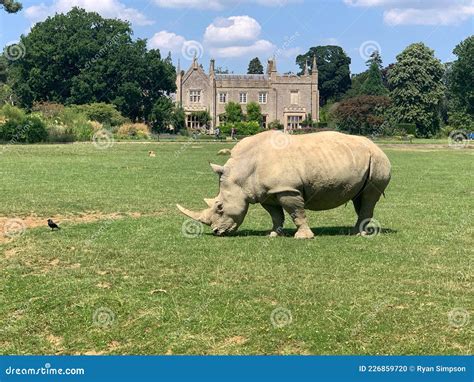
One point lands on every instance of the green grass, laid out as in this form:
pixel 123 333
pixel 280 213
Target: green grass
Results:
pixel 165 293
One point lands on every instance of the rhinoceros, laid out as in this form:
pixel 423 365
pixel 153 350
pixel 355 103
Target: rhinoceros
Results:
pixel 294 173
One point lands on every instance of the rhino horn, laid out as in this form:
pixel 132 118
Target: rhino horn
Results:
pixel 199 216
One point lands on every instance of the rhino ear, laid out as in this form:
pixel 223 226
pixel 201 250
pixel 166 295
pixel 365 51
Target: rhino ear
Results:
pixel 217 169
pixel 210 202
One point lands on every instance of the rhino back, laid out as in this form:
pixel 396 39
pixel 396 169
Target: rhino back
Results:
pixel 328 168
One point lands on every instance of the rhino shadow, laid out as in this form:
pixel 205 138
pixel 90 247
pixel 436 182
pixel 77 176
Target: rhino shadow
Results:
pixel 318 231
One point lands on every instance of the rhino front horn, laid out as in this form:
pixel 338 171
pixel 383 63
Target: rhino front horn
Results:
pixel 199 216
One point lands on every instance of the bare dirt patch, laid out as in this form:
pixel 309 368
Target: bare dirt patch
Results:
pixel 33 221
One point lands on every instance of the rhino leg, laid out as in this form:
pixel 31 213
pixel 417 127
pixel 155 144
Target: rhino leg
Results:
pixel 294 205
pixel 364 205
pixel 278 218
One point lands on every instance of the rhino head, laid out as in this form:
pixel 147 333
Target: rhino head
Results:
pixel 226 212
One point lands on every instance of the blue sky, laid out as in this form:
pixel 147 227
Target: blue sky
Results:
pixel 233 32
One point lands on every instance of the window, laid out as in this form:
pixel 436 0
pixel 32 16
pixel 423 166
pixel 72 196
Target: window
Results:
pixel 194 96
pixel 264 121
pixel 243 97
pixel 294 122
pixel 192 121
pixel 262 97
pixel 222 97
pixel 294 97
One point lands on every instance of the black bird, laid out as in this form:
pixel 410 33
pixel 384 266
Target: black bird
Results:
pixel 52 225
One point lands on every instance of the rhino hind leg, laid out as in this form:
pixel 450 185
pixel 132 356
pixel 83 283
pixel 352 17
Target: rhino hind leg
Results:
pixel 294 205
pixel 364 205
pixel 278 218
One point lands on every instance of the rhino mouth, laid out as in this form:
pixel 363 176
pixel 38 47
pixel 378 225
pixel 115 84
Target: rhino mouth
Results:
pixel 224 232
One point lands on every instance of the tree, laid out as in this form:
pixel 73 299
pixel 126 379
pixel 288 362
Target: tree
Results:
pixel 80 57
pixel 416 80
pixel 203 117
pixel 461 78
pixel 178 119
pixel 255 66
pixel 373 84
pixel 3 69
pixel 376 59
pixel 333 68
pixel 161 115
pixel 362 115
pixel 221 70
pixel 254 112
pixel 11 6
pixel 233 112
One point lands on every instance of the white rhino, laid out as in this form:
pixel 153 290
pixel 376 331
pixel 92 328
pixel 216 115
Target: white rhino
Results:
pixel 293 173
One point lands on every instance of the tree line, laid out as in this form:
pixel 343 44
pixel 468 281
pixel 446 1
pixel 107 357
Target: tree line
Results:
pixel 82 58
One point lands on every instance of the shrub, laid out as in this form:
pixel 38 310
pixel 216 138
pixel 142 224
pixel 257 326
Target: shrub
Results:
pixel 60 133
pixel 407 128
pixel 134 130
pixel 49 110
pixel 78 122
pixel 102 112
pixel 9 112
pixel 362 115
pixel 243 128
pixel 30 129
pixel 275 125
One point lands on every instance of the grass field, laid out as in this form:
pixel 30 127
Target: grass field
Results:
pixel 121 278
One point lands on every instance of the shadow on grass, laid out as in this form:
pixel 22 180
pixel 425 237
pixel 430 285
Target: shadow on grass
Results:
pixel 318 231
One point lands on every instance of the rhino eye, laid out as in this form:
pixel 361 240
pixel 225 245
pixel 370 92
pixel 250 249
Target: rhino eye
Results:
pixel 220 207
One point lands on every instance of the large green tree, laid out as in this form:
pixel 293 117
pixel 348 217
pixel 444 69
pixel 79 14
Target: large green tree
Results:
pixel 80 57
pixel 333 67
pixel 255 66
pixel 11 6
pixel 373 84
pixel 461 77
pixel 417 88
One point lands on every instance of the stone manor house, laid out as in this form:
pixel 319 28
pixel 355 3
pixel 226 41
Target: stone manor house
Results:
pixel 287 98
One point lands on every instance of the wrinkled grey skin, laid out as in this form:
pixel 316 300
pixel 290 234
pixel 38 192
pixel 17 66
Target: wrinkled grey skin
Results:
pixel 294 173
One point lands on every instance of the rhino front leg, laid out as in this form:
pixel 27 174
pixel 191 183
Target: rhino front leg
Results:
pixel 294 205
pixel 278 218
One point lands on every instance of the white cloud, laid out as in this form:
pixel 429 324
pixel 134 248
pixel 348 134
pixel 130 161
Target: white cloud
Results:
pixel 106 8
pixel 218 4
pixel 258 47
pixel 416 12
pixel 232 29
pixel 167 41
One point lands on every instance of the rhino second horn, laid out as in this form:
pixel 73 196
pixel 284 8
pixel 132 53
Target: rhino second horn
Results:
pixel 217 169
pixel 199 216
pixel 210 201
